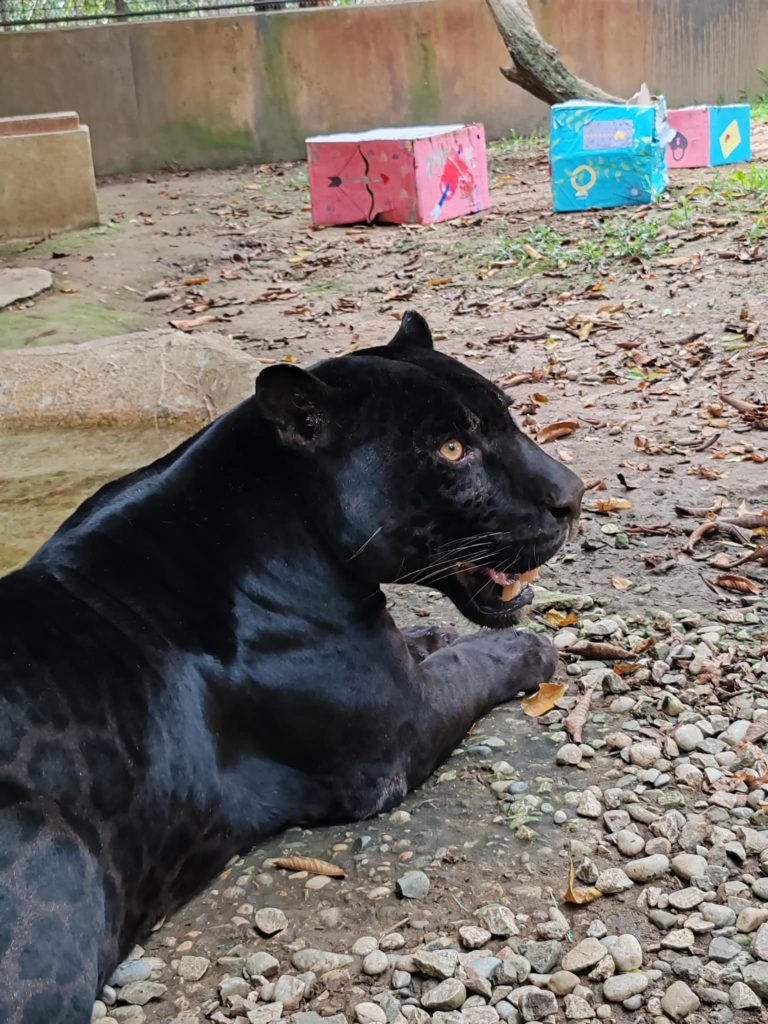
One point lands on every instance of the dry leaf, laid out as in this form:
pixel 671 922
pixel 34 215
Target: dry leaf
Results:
pixel 189 325
pixel 435 282
pixel 623 668
pixel 558 620
pixel 600 651
pixel 755 732
pixel 732 581
pixel 579 895
pixel 607 505
pixel 190 281
pixel 539 398
pixel 619 583
pixel 310 864
pixel 577 716
pixel 555 430
pixel 544 699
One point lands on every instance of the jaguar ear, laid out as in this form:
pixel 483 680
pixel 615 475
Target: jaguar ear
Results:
pixel 297 404
pixel 414 332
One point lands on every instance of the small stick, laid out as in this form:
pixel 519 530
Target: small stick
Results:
pixel 577 717
pixel 701 531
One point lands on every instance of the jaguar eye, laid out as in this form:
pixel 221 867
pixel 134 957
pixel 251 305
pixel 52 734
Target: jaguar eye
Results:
pixel 452 450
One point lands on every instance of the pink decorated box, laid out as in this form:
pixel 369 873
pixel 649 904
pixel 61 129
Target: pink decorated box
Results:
pixel 415 175
pixel 690 145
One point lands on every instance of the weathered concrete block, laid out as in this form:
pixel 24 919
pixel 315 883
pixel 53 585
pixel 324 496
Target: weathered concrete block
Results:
pixel 47 182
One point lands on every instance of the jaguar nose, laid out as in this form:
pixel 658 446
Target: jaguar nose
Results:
pixel 564 499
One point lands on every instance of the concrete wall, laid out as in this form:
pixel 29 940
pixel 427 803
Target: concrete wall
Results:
pixel 218 91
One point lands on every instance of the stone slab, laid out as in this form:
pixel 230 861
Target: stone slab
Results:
pixel 16 285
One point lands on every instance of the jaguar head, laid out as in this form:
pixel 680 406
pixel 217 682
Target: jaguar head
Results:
pixel 420 473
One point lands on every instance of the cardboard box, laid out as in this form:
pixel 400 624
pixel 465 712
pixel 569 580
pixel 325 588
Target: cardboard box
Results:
pixel 418 175
pixel 709 136
pixel 607 155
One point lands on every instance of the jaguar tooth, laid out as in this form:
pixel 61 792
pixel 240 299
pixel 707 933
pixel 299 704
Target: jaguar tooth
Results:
pixel 529 577
pixel 511 591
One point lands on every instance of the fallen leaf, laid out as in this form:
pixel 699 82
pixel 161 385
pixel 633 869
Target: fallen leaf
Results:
pixel 436 282
pixel 755 732
pixel 607 505
pixel 624 668
pixel 577 716
pixel 538 397
pixel 555 430
pixel 732 581
pixel 619 583
pixel 578 895
pixel 544 699
pixel 189 282
pixel 189 325
pixel 311 865
pixel 559 621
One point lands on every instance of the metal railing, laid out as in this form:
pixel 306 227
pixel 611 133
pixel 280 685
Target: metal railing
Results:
pixel 21 14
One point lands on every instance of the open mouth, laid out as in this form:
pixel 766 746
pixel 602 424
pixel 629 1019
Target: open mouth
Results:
pixel 491 597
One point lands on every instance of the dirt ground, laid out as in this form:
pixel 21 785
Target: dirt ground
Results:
pixel 643 333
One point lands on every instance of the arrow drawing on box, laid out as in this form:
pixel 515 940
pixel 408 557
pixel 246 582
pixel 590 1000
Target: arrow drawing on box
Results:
pixel 336 181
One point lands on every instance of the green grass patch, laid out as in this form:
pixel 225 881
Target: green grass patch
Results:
pixel 517 145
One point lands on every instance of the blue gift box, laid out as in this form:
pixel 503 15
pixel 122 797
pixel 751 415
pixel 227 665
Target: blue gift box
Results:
pixel 605 155
pixel 729 134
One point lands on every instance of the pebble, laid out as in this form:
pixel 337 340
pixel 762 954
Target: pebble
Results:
pixel 498 920
pixel 139 993
pixel 626 952
pixel 589 806
pixel 742 997
pixel 644 755
pixel 319 960
pixel 131 970
pixel 583 955
pixel 756 976
pixel 375 963
pixel 261 965
pixel 577 1008
pixel 192 968
pixel 448 995
pixel 392 941
pixel 629 843
pixel 680 938
pixel 413 885
pixel 401 979
pixel 562 983
pixel 370 1013
pixel 686 899
pixel 750 919
pixel 760 888
pixel 679 1000
pixel 721 917
pixel 613 880
pixel 624 986
pixel 289 991
pixel 542 956
pixel 688 737
pixel 689 865
pixel 760 942
pixel 723 949
pixel 270 921
pixel 647 868
pixel 535 1004
pixel 472 937
pixel 437 963
pixel 364 945
pixel 570 754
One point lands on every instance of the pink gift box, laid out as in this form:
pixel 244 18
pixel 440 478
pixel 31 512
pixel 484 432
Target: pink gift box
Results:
pixel 415 175
pixel 690 146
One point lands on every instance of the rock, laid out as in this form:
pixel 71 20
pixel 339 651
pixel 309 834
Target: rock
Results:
pixel 126 1015
pixel 577 1008
pixel 629 843
pixel 542 956
pixel 679 938
pixel 722 949
pixel 721 917
pixel 436 963
pixel 742 997
pixel 615 821
pixel 569 754
pixel 535 1004
pixel 562 983
pixel 192 968
pixel 499 920
pixel 401 979
pixel 613 880
pixel 760 942
pixel 583 955
pixel 647 868
pixel 756 976
pixel 370 1013
pixel 624 986
pixel 413 885
pixel 479 1014
pixel 319 960
pixel 512 970
pixel 261 965
pixel 289 991
pixel 596 930
pixel 448 995
pixel 139 993
pixel 129 971
pixel 364 945
pixel 679 1000
pixel 688 737
pixel 686 899
pixel 267 1013
pixel 589 806
pixel 626 953
pixel 644 755
pixel 270 921
pixel 231 988
pixel 472 937
pixel 392 941
pixel 16 285
pixel 750 918
pixel 760 888
pixel 375 963
pixel 689 775
pixel 689 865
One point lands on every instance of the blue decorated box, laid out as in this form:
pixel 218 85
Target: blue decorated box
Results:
pixel 729 134
pixel 605 155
